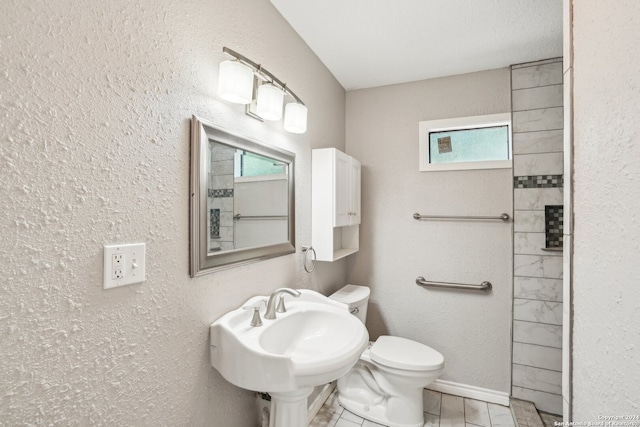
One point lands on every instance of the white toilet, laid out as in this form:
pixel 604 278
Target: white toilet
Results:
pixel 386 384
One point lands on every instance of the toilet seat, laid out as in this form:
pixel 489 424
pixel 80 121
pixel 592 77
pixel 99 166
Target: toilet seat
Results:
pixel 401 353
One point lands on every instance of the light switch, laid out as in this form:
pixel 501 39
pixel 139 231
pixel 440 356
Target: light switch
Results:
pixel 123 265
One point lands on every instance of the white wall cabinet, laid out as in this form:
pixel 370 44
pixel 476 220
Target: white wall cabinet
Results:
pixel 346 184
pixel 335 202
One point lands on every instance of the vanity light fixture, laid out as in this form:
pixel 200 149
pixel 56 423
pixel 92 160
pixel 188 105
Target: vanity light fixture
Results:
pixel 269 102
pixel 235 83
pixel 243 81
pixel 295 117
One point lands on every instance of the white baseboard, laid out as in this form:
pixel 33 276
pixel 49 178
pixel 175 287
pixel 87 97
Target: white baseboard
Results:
pixel 314 408
pixel 470 391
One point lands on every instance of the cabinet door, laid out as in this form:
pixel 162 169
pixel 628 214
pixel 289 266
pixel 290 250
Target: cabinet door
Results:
pixel 355 171
pixel 341 190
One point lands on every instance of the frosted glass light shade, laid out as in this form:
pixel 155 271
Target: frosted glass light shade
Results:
pixel 295 118
pixel 235 82
pixel 269 102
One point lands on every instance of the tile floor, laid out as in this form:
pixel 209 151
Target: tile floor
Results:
pixel 550 420
pixel 526 414
pixel 441 410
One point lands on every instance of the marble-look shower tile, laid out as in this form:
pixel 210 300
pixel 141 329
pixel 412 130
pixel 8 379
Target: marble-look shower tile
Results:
pixel 537 311
pixel 538 164
pixel 530 244
pixel 431 401
pixel 535 199
pixel 500 416
pixel 537 120
pixel 545 141
pixel 226 234
pixel 538 97
pixel 476 412
pixel 537 356
pixel 227 246
pixel 538 288
pixel 536 75
pixel 547 402
pixel 528 221
pixel 226 218
pixel 225 204
pixel 545 266
pixel 223 167
pixel 452 411
pixel 537 333
pixel 220 182
pixel 221 151
pixel 537 379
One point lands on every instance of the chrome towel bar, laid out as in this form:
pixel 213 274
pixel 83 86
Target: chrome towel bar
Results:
pixel 503 216
pixel 484 286
pixel 238 217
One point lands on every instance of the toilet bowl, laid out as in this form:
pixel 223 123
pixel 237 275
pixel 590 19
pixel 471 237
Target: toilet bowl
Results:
pixel 386 384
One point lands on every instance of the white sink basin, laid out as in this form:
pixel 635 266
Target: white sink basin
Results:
pixel 315 342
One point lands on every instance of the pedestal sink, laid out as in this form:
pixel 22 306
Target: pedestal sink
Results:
pixel 315 342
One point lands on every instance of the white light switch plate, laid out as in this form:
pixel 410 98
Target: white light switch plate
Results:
pixel 123 265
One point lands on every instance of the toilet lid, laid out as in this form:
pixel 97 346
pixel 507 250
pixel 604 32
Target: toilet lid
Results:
pixel 402 353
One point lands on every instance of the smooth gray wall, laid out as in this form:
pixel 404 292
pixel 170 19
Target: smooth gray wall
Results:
pixel 95 102
pixel 471 330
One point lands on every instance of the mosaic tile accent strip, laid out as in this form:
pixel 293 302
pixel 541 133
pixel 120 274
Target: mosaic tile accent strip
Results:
pixel 226 192
pixel 553 221
pixel 538 181
pixel 214 223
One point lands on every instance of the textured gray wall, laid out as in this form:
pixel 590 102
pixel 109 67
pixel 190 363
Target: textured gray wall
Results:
pixel 95 105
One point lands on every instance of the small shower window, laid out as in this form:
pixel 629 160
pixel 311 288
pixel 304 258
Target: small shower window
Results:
pixel 478 142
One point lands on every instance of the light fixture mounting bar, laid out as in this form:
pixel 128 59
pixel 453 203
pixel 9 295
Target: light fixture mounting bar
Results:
pixel 261 70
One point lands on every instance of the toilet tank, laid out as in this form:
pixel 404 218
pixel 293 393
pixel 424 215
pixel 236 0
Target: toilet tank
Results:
pixel 356 298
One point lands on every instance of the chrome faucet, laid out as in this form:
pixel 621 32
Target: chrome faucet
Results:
pixel 271 305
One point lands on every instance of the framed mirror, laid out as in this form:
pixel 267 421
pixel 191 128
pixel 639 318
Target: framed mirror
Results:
pixel 242 199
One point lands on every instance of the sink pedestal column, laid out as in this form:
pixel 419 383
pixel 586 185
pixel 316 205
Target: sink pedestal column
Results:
pixel 289 409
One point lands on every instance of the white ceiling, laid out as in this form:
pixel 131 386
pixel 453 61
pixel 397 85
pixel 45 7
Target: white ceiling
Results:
pixel 367 43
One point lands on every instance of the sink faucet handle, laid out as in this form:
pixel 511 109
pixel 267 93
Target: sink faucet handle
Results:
pixel 255 320
pixel 281 308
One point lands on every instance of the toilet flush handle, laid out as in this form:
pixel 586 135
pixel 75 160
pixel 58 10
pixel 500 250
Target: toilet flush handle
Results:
pixel 355 311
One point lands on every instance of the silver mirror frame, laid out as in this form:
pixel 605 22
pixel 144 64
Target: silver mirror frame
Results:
pixel 201 262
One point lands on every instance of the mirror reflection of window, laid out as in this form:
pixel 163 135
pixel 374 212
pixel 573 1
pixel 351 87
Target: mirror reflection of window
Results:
pixel 254 165
pixel 248 199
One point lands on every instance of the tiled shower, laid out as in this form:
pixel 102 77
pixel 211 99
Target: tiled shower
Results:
pixel 537 105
